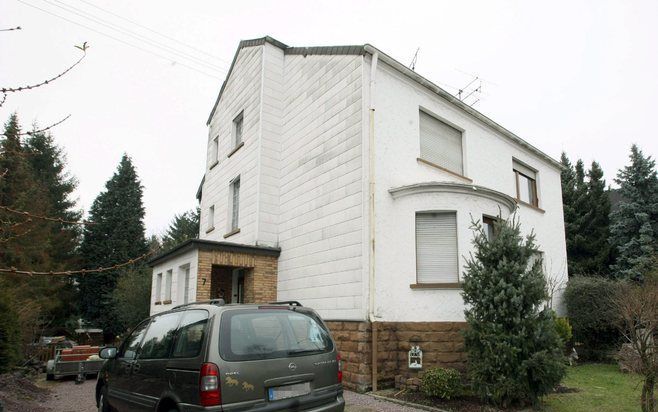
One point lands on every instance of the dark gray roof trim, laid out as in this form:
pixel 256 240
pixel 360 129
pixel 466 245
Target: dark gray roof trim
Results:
pixel 199 191
pixel 201 244
pixel 326 50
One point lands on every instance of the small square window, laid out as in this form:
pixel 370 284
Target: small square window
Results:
pixel 237 129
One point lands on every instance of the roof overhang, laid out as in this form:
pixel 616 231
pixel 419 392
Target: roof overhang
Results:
pixel 200 244
pixel 458 188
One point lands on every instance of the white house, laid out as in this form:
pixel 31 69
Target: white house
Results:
pixel 339 178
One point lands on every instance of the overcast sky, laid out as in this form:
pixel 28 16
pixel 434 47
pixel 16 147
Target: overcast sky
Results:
pixel 572 76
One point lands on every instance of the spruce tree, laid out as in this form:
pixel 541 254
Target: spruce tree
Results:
pixel 586 208
pixel 115 236
pixel 634 228
pixel 513 348
pixel 183 227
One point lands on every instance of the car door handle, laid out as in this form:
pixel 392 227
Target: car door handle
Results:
pixel 136 367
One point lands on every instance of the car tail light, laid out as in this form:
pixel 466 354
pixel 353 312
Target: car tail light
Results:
pixel 209 393
pixel 340 368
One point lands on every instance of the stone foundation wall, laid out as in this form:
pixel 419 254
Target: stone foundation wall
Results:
pixel 441 342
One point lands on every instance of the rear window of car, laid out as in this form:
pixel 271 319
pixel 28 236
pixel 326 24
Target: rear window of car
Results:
pixel 271 333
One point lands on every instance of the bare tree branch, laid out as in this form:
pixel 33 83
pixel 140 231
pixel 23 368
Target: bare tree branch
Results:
pixel 34 132
pixel 52 219
pixel 33 86
pixel 12 28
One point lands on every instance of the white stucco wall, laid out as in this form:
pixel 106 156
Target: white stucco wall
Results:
pixel 177 289
pixel 487 161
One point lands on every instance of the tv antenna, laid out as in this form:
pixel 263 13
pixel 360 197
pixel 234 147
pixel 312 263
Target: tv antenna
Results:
pixel 412 66
pixel 472 89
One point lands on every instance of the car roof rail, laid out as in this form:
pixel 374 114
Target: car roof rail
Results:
pixel 218 302
pixel 286 302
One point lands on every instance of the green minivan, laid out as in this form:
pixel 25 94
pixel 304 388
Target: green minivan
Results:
pixel 208 356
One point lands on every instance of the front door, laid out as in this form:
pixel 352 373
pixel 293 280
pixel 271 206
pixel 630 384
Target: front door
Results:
pixel 238 286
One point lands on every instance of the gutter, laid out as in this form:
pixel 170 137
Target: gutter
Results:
pixel 371 195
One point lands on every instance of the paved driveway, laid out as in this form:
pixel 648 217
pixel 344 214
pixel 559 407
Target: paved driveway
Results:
pixel 68 397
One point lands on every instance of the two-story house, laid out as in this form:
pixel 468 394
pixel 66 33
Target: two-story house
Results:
pixel 340 178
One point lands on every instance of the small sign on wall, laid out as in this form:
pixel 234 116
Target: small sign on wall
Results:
pixel 415 358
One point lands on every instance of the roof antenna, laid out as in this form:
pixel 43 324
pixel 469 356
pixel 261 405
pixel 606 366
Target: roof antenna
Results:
pixel 412 66
pixel 464 93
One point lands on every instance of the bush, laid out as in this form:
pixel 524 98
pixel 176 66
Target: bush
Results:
pixel 589 302
pixel 564 329
pixel 514 352
pixel 441 383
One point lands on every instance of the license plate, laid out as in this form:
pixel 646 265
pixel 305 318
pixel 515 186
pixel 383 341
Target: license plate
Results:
pixel 289 391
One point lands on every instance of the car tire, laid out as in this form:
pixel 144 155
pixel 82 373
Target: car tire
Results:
pixel 50 377
pixel 102 402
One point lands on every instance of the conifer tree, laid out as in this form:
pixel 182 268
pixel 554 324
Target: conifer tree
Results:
pixel 514 351
pixel 183 227
pixel 634 229
pixel 116 236
pixel 586 207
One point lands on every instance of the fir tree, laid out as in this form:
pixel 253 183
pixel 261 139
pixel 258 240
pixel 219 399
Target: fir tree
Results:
pixel 48 163
pixel 183 227
pixel 634 229
pixel 116 236
pixel 513 348
pixel 586 207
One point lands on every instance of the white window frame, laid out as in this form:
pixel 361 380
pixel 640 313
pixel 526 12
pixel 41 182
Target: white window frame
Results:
pixel 238 129
pixel 443 133
pixel 158 288
pixel 211 218
pixel 439 279
pixel 521 169
pixel 183 285
pixel 234 205
pixel 168 279
pixel 214 151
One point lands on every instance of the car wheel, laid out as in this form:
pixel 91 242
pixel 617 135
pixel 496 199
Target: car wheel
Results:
pixel 102 402
pixel 50 377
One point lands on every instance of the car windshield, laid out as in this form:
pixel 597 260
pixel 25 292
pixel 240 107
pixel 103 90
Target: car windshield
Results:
pixel 271 333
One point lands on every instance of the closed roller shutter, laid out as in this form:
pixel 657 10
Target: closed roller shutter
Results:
pixel 436 248
pixel 440 143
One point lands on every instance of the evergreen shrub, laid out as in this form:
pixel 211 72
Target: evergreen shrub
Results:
pixel 444 383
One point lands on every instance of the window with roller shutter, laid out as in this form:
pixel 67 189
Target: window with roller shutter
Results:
pixel 440 144
pixel 436 248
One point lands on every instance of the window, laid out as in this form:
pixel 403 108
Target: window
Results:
pixel 190 334
pixel 167 297
pixel 235 203
pixel 268 334
pixel 488 224
pixel 158 287
pixel 436 248
pixel 211 217
pixel 214 151
pixel 183 283
pixel 526 184
pixel 130 346
pixel 237 129
pixel 440 144
pixel 159 336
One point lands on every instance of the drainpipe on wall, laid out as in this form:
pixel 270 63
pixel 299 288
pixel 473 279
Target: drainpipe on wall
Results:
pixel 371 194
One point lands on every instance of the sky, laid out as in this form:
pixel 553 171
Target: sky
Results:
pixel 573 76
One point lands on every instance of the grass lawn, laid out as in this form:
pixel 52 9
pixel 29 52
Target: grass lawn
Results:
pixel 602 388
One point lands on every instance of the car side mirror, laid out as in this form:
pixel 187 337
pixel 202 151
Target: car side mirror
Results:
pixel 108 353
